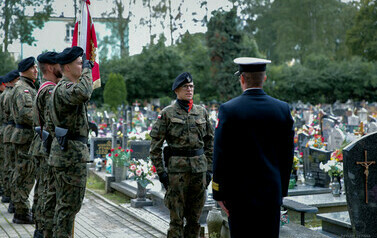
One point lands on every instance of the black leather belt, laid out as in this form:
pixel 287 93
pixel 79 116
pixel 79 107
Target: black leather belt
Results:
pixel 23 126
pixel 186 153
pixel 83 139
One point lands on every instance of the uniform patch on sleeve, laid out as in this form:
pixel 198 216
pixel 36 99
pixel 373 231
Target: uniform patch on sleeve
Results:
pixel 26 91
pixel 68 85
pixel 159 116
pixel 215 186
pixel 50 91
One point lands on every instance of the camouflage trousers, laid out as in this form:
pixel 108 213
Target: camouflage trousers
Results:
pixel 40 191
pixel 48 208
pixel 185 198
pixel 70 190
pixel 1 164
pixel 23 178
pixel 8 169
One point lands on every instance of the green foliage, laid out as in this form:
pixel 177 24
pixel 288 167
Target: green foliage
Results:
pixel 362 37
pixel 296 28
pixel 165 101
pixel 115 92
pixel 354 79
pixel 8 64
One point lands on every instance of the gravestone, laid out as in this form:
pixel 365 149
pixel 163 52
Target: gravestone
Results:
pixel 353 120
pixel 316 156
pixel 302 141
pixel 336 139
pixel 140 149
pixel 100 147
pixel 363 115
pixel 327 126
pixel 372 127
pixel 360 176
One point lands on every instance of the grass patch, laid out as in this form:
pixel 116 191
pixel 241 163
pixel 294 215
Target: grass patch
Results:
pixel 98 185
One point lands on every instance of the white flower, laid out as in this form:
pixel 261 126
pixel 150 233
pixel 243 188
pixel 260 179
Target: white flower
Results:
pixel 138 172
pixel 133 167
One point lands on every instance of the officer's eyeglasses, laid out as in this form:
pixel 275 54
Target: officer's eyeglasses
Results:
pixel 188 86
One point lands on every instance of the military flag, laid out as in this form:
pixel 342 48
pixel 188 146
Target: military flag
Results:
pixel 84 36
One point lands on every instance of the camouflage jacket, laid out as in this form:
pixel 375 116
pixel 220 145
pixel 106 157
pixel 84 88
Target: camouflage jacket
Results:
pixel 40 114
pixel 67 106
pixel 182 130
pixel 22 110
pixel 7 116
pixel 2 119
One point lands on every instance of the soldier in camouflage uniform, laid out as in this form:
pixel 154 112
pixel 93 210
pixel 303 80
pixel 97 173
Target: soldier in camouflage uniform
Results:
pixel 9 154
pixel 69 152
pixel 44 205
pixel 189 135
pixel 2 88
pixel 22 112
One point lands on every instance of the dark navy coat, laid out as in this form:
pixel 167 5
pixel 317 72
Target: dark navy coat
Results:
pixel 253 149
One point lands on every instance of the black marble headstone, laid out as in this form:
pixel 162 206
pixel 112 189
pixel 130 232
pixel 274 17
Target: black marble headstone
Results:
pixel 100 147
pixel 140 149
pixel 316 156
pixel 361 192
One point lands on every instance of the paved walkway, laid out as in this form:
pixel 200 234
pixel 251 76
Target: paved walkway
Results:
pixel 98 217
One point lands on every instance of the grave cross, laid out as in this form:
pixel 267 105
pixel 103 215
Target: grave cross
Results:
pixel 366 164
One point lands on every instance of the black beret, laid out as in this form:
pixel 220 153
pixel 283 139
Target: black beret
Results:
pixel 69 55
pixel 12 75
pixel 47 58
pixel 181 79
pixel 25 64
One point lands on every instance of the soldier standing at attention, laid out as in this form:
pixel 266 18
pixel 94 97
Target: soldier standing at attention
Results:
pixel 69 151
pixel 2 88
pixel 9 80
pixel 188 157
pixel 253 153
pixel 45 188
pixel 24 177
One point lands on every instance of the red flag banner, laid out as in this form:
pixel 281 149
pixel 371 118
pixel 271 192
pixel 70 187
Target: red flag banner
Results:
pixel 85 36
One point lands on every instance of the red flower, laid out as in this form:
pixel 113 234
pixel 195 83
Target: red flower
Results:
pixel 131 150
pixel 127 150
pixel 109 154
pixel 116 155
pixel 112 150
pixel 322 139
pixel 301 154
pixel 153 169
pixel 119 148
pixel 122 150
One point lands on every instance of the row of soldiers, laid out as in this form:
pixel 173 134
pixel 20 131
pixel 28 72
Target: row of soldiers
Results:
pixel 44 140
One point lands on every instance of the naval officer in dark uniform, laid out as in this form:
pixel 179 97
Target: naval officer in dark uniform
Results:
pixel 253 154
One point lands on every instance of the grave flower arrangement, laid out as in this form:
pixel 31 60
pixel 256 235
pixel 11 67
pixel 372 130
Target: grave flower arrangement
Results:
pixel 142 171
pixel 317 142
pixel 296 162
pixel 120 157
pixel 333 167
pixel 337 155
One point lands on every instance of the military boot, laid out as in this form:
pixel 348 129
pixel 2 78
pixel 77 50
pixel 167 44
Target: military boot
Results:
pixel 23 218
pixel 11 208
pixel 38 234
pixel 5 199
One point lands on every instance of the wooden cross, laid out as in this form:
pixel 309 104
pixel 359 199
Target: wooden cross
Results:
pixel 366 164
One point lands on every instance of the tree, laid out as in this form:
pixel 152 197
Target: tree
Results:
pixel 296 28
pixel 115 92
pixel 8 64
pixel 226 41
pixel 362 37
pixel 17 25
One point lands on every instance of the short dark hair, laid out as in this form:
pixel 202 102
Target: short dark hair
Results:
pixel 254 79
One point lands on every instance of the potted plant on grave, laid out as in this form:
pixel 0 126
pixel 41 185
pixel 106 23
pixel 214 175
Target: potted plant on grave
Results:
pixel 142 171
pixel 120 162
pixel 334 167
